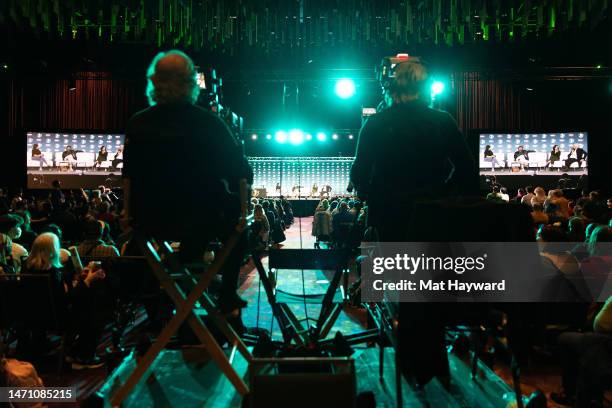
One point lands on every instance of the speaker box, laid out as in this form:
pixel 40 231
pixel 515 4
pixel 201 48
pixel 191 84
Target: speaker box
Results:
pixel 302 382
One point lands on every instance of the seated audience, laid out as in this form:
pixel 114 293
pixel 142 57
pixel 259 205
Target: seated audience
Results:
pixel 93 246
pixel 576 229
pixel 264 228
pixel 556 206
pixel 538 214
pixel 526 199
pixel 539 196
pixel 10 225
pixel 586 358
pixel 27 234
pixel 76 291
pixel 322 223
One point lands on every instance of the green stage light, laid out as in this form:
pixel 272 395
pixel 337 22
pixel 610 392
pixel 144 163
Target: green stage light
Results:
pixel 296 136
pixel 345 88
pixel 335 136
pixel 281 136
pixel 254 136
pixel 308 136
pixel 437 88
pixel 351 137
pixel 321 136
pixel 268 136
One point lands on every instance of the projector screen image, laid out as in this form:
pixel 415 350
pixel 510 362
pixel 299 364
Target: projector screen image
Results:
pixel 77 160
pixel 534 153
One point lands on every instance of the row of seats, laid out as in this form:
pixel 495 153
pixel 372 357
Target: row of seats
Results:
pixel 84 159
pixel 536 159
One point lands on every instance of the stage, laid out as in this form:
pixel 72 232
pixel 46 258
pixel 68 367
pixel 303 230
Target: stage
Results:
pixel 522 180
pixel 74 179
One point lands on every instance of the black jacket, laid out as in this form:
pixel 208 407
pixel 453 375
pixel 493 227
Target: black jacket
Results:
pixel 180 160
pixel 581 154
pixel 410 151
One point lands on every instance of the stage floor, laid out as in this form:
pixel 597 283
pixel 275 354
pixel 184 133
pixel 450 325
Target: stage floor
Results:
pixel 554 174
pixel 74 179
pixel 188 378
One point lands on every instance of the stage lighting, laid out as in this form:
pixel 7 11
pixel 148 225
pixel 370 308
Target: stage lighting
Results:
pixel 254 136
pixel 268 136
pixel 321 136
pixel 296 136
pixel 351 137
pixel 281 136
pixel 437 88
pixel 345 88
pixel 308 136
pixel 335 136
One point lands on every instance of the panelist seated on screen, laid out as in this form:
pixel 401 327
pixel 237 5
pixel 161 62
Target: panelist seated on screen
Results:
pixel 576 155
pixel 522 155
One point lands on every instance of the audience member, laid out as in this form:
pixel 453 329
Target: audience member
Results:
pixel 526 199
pixel 10 225
pixel 322 223
pixel 93 246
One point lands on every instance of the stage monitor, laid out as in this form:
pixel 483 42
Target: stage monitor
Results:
pixel 77 160
pixel 544 154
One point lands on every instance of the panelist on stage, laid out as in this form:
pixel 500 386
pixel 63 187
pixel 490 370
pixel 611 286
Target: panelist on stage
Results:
pixel 521 156
pixel 70 155
pixel 489 156
pixel 102 157
pixel 38 156
pixel 118 157
pixel 554 156
pixel 576 155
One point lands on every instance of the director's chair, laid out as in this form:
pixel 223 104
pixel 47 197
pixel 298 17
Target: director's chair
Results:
pixel 173 276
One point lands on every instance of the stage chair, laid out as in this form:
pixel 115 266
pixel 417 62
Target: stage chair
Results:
pixel 537 159
pixel 501 158
pixel 86 159
pixel 107 164
pixel 30 163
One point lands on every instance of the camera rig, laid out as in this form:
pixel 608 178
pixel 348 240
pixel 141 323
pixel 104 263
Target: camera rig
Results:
pixel 211 98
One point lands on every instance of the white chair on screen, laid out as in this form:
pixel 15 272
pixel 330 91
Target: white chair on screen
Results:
pixel 537 160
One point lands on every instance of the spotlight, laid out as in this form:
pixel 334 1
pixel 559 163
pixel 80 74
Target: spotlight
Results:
pixel 281 136
pixel 296 136
pixel 345 88
pixel 254 136
pixel 351 137
pixel 308 136
pixel 321 136
pixel 335 136
pixel 268 136
pixel 437 88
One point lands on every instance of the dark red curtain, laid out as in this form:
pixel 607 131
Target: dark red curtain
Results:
pixel 97 102
pixel 484 102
